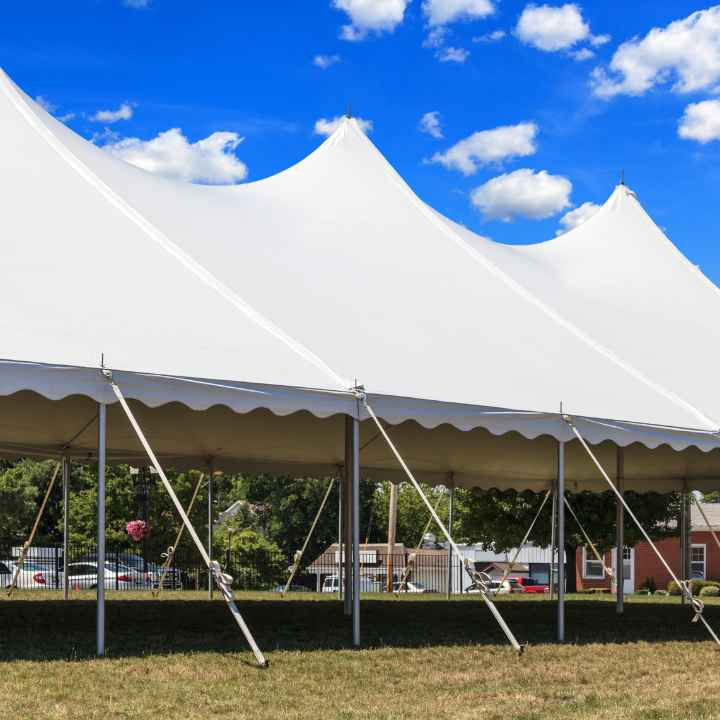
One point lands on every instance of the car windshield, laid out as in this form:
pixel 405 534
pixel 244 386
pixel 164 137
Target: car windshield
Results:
pixel 531 581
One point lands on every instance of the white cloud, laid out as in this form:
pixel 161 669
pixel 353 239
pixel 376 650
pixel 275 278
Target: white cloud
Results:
pixel 124 112
pixel 523 193
pixel 686 52
pixel 494 36
pixel 45 104
pixel 489 146
pixel 452 54
pixel 368 16
pixel 436 37
pixel 552 28
pixel 578 216
pixel 598 40
pixel 430 124
pixel 325 61
pixel 325 126
pixel 211 160
pixel 136 3
pixel 701 121
pixel 442 12
pixel 582 54
pixel 66 117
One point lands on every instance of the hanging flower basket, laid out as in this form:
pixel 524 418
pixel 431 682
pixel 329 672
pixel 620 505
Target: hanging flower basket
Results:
pixel 137 529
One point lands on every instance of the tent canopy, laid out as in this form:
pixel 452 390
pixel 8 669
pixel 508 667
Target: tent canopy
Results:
pixel 240 318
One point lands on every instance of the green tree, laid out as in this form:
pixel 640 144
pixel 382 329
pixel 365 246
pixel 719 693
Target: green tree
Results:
pixel 493 517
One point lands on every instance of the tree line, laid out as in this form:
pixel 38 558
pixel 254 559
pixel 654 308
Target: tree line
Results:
pixel 277 512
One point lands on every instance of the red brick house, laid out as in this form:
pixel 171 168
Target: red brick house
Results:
pixel 641 563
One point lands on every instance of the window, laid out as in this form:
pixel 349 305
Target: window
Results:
pixel 592 568
pixel 697 562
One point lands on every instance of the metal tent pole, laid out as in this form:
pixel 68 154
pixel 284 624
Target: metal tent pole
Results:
pixel 561 541
pixel 391 535
pixel 683 542
pixel 210 526
pixel 102 452
pixel 346 557
pixel 451 498
pixel 354 429
pixel 341 491
pixel 66 521
pixel 553 518
pixel 620 536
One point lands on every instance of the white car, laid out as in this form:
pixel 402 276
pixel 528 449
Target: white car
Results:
pixel 410 586
pixel 83 575
pixel 497 588
pixel 32 576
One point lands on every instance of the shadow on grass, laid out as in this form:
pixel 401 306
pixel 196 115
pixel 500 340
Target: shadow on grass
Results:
pixel 54 629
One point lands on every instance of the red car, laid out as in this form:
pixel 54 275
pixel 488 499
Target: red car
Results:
pixel 530 585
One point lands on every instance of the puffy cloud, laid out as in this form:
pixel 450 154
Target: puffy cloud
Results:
pixel 578 216
pixel 45 104
pixel 124 112
pixel 211 161
pixel 523 193
pixel 452 54
pixel 325 61
pixel 686 52
pixel 368 16
pixel 494 36
pixel 325 126
pixel 51 108
pixel 701 121
pixel 442 12
pixel 489 146
pixel 552 28
pixel 436 37
pixel 430 124
pixel 582 54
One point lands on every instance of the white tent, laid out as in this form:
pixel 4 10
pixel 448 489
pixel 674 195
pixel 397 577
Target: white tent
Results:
pixel 264 304
pixel 260 326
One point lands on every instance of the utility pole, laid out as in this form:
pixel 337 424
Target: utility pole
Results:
pixel 392 529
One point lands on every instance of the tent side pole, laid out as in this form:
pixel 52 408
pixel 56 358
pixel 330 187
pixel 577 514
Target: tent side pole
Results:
pixel 553 518
pixel 561 541
pixel 210 526
pixel 346 558
pixel 620 536
pixel 355 445
pixel 683 542
pixel 100 602
pixel 66 522
pixel 451 499
pixel 341 492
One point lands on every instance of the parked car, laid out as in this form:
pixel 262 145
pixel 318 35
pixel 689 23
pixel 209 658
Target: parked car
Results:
pixel 152 577
pixel 117 576
pixel 367 584
pixel 495 587
pixel 531 585
pixel 410 586
pixel 292 588
pixel 32 576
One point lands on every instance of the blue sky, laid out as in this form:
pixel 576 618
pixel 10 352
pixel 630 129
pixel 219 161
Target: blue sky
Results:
pixel 551 100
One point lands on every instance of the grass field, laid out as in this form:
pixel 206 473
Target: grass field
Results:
pixel 424 657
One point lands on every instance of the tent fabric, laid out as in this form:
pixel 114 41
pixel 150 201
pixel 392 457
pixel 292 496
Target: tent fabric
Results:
pixel 283 294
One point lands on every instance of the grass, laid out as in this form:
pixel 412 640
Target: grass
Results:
pixel 424 657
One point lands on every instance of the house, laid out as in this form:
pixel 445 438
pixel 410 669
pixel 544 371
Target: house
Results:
pixel 429 565
pixel 642 565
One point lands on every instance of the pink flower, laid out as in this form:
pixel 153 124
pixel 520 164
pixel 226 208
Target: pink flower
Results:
pixel 137 529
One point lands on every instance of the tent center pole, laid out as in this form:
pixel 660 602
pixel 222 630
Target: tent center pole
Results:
pixel 345 579
pixel 100 601
pixel 355 444
pixel 451 500
pixel 620 536
pixel 561 541
pixel 66 521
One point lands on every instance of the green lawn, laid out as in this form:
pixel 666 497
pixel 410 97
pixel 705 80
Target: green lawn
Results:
pixel 424 657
